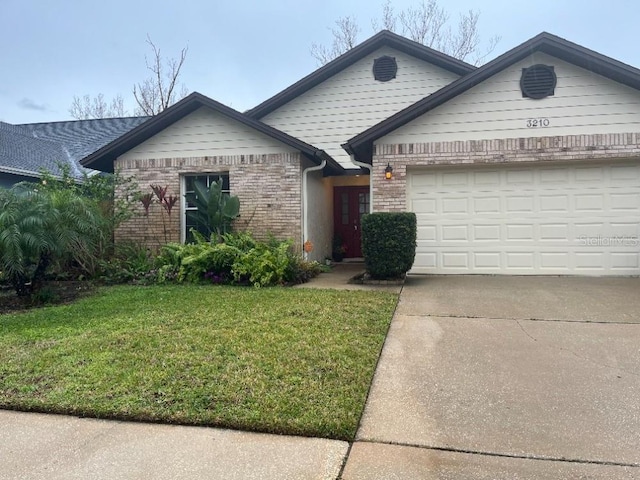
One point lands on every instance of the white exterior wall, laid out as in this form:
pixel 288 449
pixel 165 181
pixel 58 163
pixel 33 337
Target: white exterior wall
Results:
pixel 206 133
pixel 583 103
pixel 320 222
pixel 352 101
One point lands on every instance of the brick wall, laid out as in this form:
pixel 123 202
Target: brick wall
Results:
pixel 269 188
pixel 390 195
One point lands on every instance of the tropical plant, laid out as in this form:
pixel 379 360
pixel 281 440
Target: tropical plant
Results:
pixel 167 202
pixel 99 189
pixel 234 258
pixel 39 227
pixel 216 209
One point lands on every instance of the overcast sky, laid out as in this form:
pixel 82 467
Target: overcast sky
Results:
pixel 240 52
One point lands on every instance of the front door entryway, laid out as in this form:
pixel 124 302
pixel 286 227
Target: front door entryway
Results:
pixel 349 204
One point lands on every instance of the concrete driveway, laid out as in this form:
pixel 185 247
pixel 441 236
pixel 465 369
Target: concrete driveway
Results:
pixel 506 377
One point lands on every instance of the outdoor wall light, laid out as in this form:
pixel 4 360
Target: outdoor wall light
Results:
pixel 388 172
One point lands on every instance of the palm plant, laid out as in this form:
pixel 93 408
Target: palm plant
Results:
pixel 39 227
pixel 216 209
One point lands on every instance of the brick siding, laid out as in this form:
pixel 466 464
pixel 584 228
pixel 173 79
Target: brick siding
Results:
pixel 269 188
pixel 390 195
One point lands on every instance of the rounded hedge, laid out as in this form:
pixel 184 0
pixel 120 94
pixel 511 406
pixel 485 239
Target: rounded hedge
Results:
pixel 389 243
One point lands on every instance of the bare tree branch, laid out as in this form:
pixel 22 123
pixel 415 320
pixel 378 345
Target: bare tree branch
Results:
pixel 153 95
pixel 425 23
pixel 86 107
pixel 388 19
pixel 345 37
pixel 158 92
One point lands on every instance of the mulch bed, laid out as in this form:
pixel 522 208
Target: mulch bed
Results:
pixel 53 293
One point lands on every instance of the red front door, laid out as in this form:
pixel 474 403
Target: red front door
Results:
pixel 349 204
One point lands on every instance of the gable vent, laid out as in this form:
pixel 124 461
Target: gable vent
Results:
pixel 385 68
pixel 538 81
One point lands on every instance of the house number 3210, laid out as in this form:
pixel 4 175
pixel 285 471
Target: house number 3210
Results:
pixel 538 122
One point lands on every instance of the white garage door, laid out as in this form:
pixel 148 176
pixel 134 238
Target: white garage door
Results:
pixel 560 220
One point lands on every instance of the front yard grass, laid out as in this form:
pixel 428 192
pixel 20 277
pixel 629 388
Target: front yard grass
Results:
pixel 281 360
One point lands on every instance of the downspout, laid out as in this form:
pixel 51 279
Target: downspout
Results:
pixel 305 203
pixel 370 168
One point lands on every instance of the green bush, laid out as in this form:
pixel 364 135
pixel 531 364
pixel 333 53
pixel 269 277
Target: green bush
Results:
pixel 42 228
pixel 238 258
pixel 130 262
pixel 192 262
pixel 389 243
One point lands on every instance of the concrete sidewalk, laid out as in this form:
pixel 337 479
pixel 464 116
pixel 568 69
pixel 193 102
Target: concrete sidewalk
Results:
pixel 340 275
pixel 58 447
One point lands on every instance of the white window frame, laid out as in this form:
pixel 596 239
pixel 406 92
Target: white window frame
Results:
pixel 210 176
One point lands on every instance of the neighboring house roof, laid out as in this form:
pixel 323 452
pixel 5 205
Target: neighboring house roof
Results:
pixel 21 154
pixel 381 39
pixel 361 144
pixel 103 158
pixel 83 137
pixel 28 149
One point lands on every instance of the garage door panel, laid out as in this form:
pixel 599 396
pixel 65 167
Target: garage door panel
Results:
pixel 534 220
pixel 590 260
pixel 487 260
pixel 591 202
pixel 484 205
pixel 519 204
pixel 624 229
pixel 427 233
pixel 554 231
pixel 554 203
pixel 624 260
pixel 424 206
pixel 454 205
pixel 486 178
pixel 625 202
pixel 455 178
pixel 455 233
pixel 518 177
pixel 555 261
pixel 520 232
pixel 589 175
pixel 455 260
pixel 625 174
pixel 486 233
pixel 520 260
pixel 554 176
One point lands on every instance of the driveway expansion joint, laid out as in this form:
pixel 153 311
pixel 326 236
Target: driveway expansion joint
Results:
pixel 542 458
pixel 534 319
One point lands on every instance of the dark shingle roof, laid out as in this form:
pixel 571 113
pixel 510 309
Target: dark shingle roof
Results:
pixel 21 154
pixel 27 149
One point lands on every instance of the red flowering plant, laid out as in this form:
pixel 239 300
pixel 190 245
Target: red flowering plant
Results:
pixel 166 201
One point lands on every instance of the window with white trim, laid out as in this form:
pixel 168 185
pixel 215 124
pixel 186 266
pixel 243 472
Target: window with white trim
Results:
pixel 188 187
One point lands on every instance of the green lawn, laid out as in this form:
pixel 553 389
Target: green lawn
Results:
pixel 282 360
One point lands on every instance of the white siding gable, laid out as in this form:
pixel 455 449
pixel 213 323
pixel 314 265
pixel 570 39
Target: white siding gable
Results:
pixel 206 133
pixel 583 103
pixel 351 101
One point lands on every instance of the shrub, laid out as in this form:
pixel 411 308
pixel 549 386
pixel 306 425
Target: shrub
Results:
pixel 41 228
pixel 237 258
pixel 192 262
pixel 130 262
pixel 389 243
pixel 263 265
